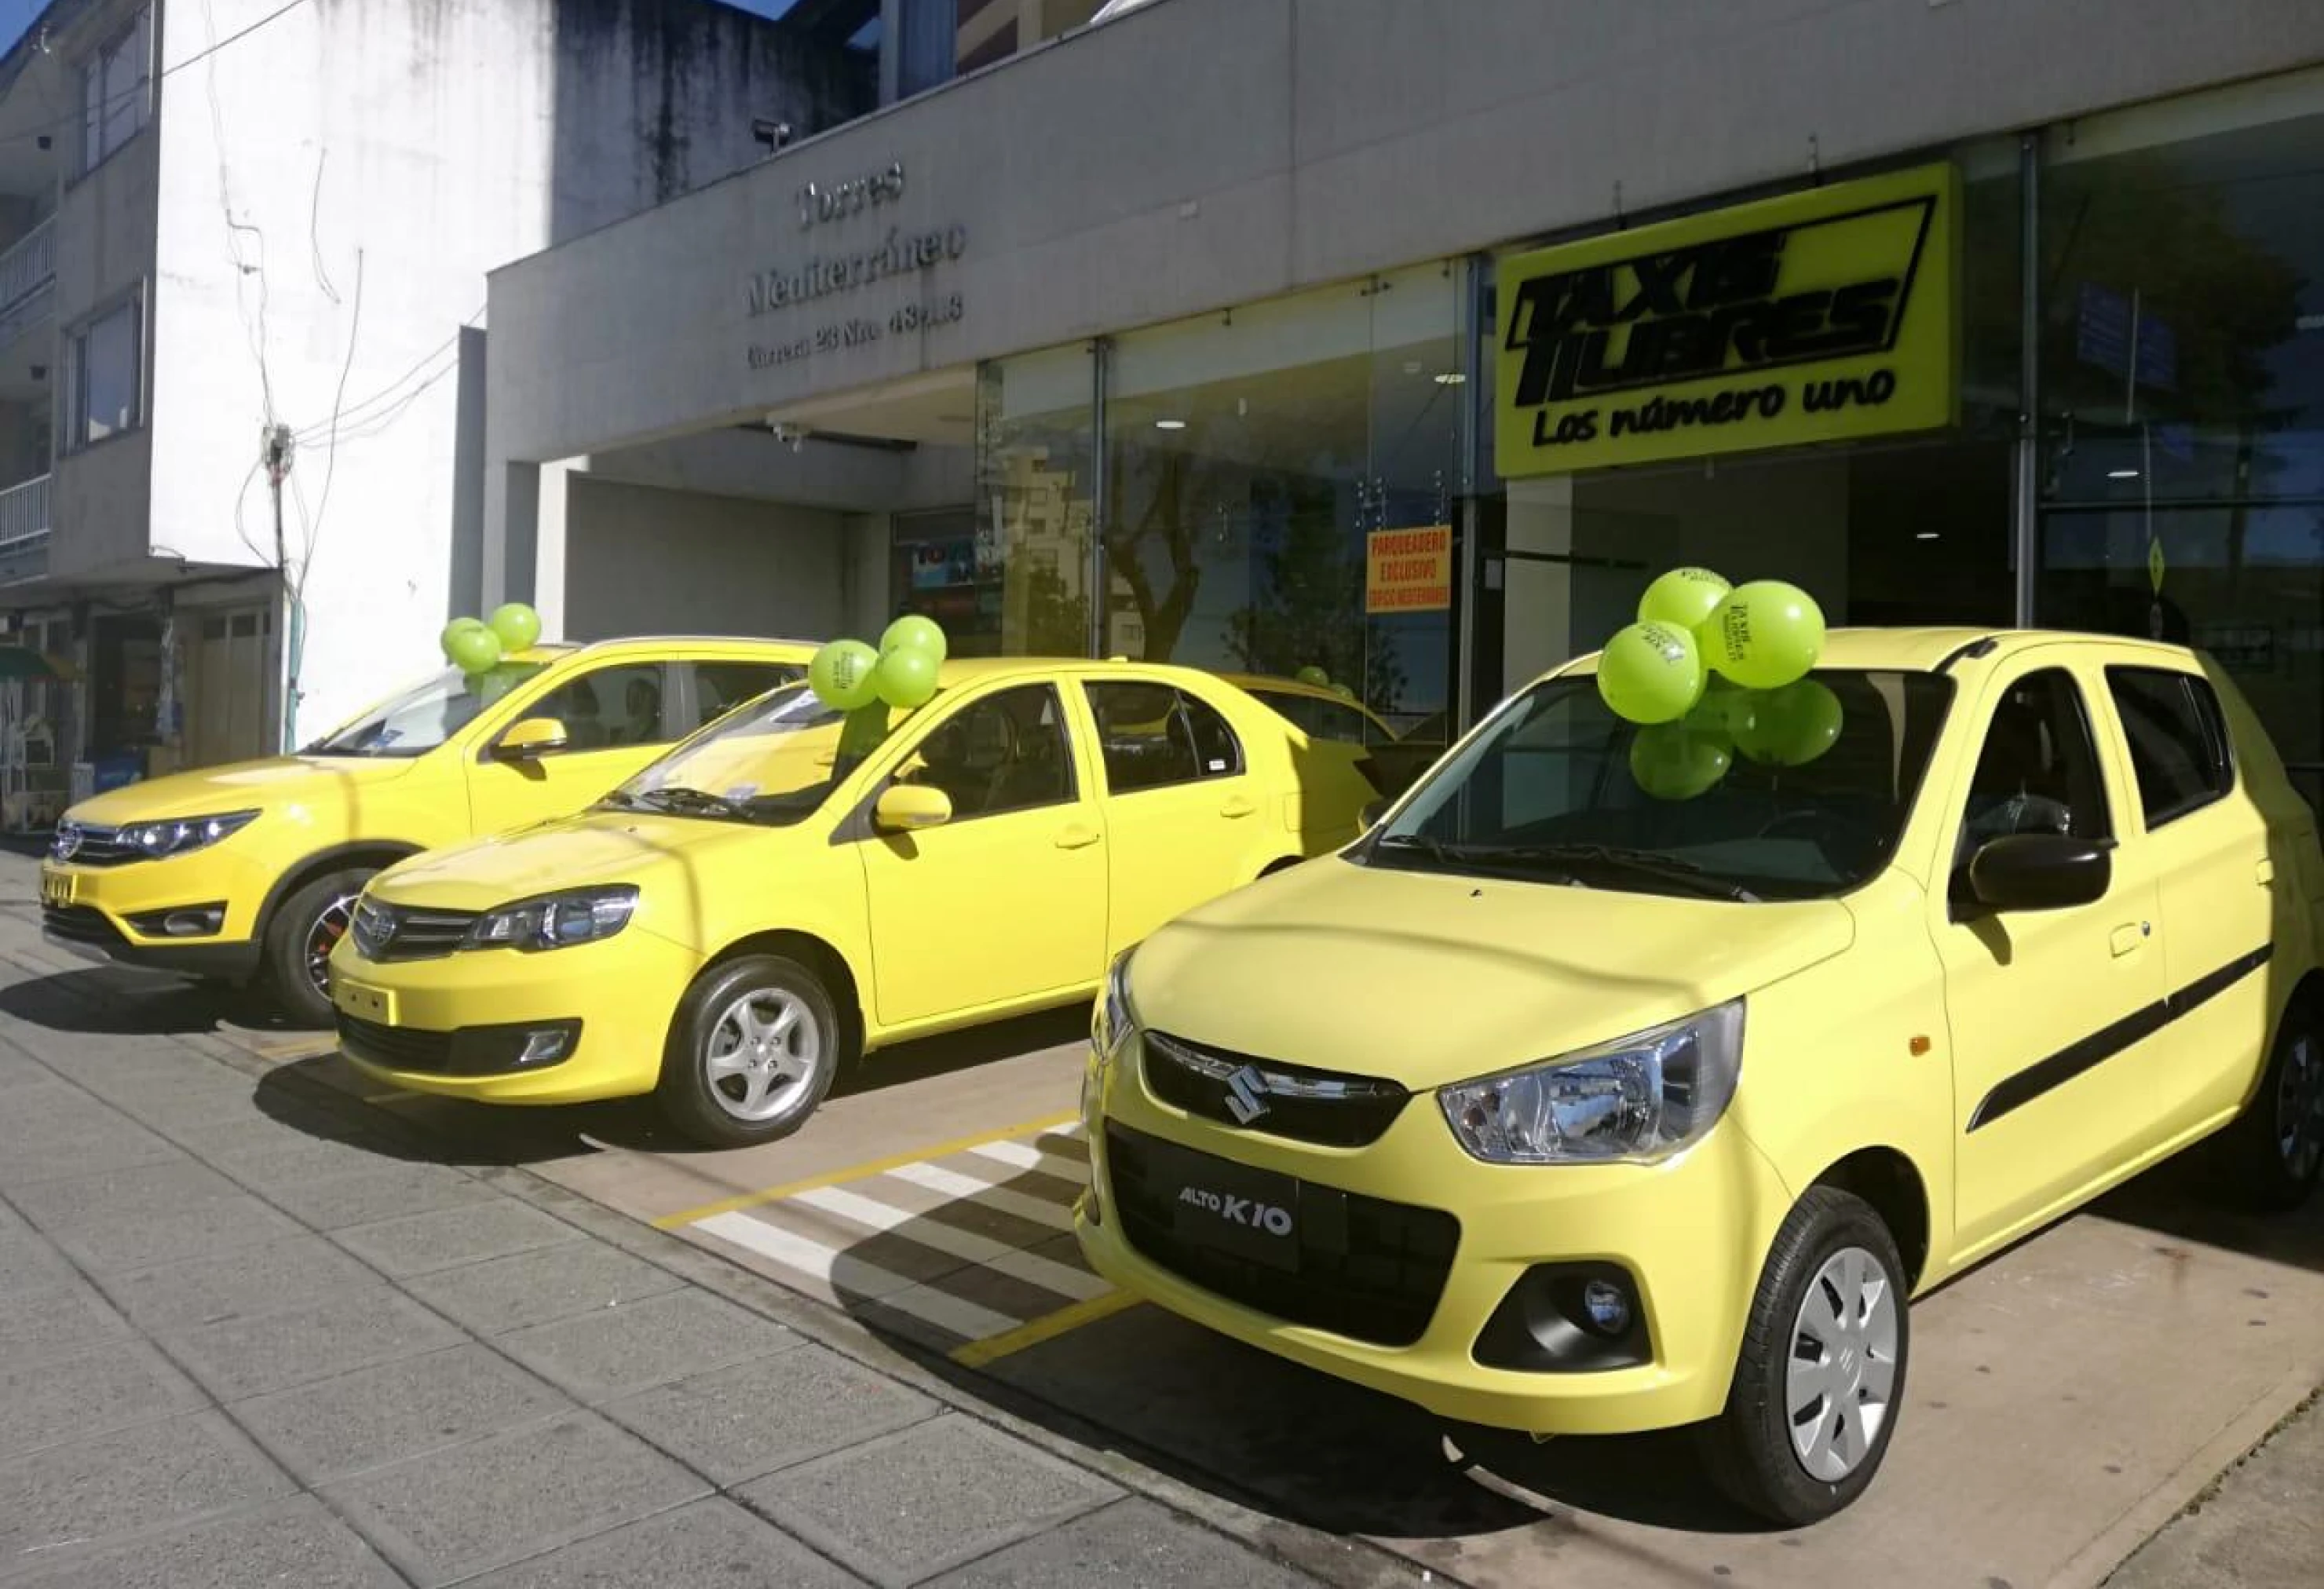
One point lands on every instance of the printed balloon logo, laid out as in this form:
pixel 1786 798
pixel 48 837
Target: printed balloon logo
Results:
pixel 1712 671
pixel 865 682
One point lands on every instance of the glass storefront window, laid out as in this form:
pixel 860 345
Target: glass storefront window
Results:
pixel 1035 495
pixel 2182 465
pixel 1249 457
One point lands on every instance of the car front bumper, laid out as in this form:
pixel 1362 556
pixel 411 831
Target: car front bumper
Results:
pixel 114 914
pixel 1689 1234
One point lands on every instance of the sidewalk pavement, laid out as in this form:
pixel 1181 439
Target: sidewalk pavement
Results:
pixel 247 1336
pixel 2255 1528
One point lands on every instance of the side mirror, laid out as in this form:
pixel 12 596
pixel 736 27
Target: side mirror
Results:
pixel 531 739
pixel 907 807
pixel 2039 872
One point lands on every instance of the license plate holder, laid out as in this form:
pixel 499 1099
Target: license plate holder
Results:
pixel 59 888
pixel 376 1005
pixel 1231 1208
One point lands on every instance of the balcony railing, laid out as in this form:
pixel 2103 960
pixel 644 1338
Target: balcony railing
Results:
pixel 24 513
pixel 29 264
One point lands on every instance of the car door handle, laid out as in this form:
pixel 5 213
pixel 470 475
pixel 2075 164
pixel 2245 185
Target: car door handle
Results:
pixel 2129 935
pixel 1079 837
pixel 1238 806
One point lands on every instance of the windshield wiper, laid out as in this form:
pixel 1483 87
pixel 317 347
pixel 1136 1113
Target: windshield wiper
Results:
pixel 1670 869
pixel 678 799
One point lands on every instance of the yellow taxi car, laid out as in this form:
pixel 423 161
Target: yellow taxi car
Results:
pixel 784 892
pixel 251 871
pixel 1317 709
pixel 1552 1105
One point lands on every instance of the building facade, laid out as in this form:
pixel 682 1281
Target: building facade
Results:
pixel 1179 336
pixel 243 248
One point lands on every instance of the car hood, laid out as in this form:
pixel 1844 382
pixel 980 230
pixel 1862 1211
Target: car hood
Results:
pixel 277 783
pixel 665 856
pixel 1429 978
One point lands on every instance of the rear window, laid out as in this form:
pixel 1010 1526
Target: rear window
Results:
pixel 2178 740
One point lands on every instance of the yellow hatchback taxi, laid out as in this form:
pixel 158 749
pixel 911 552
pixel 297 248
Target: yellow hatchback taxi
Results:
pixel 784 892
pixel 1554 1106
pixel 251 871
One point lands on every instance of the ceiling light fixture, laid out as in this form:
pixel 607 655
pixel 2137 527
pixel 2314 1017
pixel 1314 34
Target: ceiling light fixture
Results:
pixel 1452 378
pixel 1926 535
pixel 1169 424
pixel 2122 473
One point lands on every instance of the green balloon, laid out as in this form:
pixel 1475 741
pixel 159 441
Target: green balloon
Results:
pixel 1792 726
pixel 1764 634
pixel 1672 761
pixel 905 679
pixel 1312 674
pixel 517 625
pixel 1343 692
pixel 1650 673
pixel 456 626
pixel 1724 711
pixel 1683 599
pixel 841 674
pixel 472 651
pixel 914 633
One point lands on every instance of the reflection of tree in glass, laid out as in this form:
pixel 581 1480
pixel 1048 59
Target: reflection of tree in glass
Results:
pixel 1306 605
pixel 1056 620
pixel 1167 522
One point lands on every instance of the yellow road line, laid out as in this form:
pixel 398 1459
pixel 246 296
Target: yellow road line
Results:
pixel 1047 1328
pixel 670 1221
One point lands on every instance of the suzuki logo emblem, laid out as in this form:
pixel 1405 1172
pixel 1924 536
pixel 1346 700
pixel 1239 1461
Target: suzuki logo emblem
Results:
pixel 1247 1095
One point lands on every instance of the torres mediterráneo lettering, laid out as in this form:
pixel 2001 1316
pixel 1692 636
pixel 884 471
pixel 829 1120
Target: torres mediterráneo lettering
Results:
pixel 899 253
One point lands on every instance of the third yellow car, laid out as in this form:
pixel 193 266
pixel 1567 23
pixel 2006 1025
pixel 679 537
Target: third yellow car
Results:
pixel 786 890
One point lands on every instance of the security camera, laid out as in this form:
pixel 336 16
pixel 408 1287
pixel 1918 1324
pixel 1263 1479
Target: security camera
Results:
pixel 774 135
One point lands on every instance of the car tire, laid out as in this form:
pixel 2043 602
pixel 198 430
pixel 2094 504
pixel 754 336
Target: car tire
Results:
pixel 2275 1147
pixel 755 1048
pixel 1828 1331
pixel 298 942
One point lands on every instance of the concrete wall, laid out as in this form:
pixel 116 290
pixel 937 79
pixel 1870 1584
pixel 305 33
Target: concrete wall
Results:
pixel 1200 153
pixel 643 561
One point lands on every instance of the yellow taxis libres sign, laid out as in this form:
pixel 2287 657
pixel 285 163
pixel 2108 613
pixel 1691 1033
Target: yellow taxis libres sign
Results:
pixel 1817 316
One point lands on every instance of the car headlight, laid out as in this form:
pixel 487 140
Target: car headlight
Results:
pixel 1117 1018
pixel 556 922
pixel 182 835
pixel 1639 1097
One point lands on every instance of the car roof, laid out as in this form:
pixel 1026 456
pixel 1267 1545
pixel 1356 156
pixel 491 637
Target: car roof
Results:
pixel 786 649
pixel 1926 649
pixel 961 671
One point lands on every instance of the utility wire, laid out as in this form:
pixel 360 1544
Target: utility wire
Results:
pixel 128 93
pixel 338 405
pixel 349 418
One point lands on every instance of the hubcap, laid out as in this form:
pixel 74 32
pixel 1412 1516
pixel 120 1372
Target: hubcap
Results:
pixel 1843 1365
pixel 2299 1109
pixel 762 1054
pixel 324 935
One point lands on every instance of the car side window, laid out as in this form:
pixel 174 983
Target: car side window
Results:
pixel 2038 771
pixel 1322 719
pixel 1006 753
pixel 2178 740
pixel 1153 735
pixel 609 708
pixel 721 687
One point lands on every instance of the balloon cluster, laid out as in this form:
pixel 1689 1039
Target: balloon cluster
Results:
pixel 475 645
pixel 1711 670
pixel 1315 676
pixel 847 674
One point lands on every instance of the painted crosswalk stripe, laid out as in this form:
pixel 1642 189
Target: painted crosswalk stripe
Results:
pixel 1025 1156
pixel 952 1184
pixel 844 1272
pixel 1029 1267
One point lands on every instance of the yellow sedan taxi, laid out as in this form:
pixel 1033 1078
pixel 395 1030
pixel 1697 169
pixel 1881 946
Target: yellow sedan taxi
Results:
pixel 251 871
pixel 1555 1105
pixel 786 890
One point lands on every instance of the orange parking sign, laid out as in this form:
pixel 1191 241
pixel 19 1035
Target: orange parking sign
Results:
pixel 1409 570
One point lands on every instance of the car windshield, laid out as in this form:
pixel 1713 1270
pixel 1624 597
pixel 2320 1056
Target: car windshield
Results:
pixel 1557 790
pixel 772 762
pixel 424 717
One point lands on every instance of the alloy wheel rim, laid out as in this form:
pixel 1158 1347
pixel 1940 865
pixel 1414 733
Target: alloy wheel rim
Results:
pixel 1841 1374
pixel 330 925
pixel 762 1054
pixel 2299 1109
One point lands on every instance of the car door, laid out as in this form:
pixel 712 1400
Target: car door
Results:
pixel 2209 845
pixel 1183 812
pixel 1006 903
pixel 616 720
pixel 2053 1012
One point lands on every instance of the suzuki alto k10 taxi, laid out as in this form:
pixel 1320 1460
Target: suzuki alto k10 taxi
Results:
pixel 783 891
pixel 1552 1105
pixel 250 872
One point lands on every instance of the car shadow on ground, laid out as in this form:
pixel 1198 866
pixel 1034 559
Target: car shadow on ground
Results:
pixel 111 1002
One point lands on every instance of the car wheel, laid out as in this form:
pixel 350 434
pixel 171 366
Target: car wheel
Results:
pixel 754 1049
pixel 1821 1376
pixel 2276 1145
pixel 307 927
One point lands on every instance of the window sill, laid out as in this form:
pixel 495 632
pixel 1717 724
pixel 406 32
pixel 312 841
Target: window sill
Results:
pixel 101 444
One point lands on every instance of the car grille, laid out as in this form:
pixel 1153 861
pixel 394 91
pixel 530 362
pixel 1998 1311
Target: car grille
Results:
pixel 79 924
pixel 1380 1285
pixel 1301 1104
pixel 396 1047
pixel 395 932
pixel 82 846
